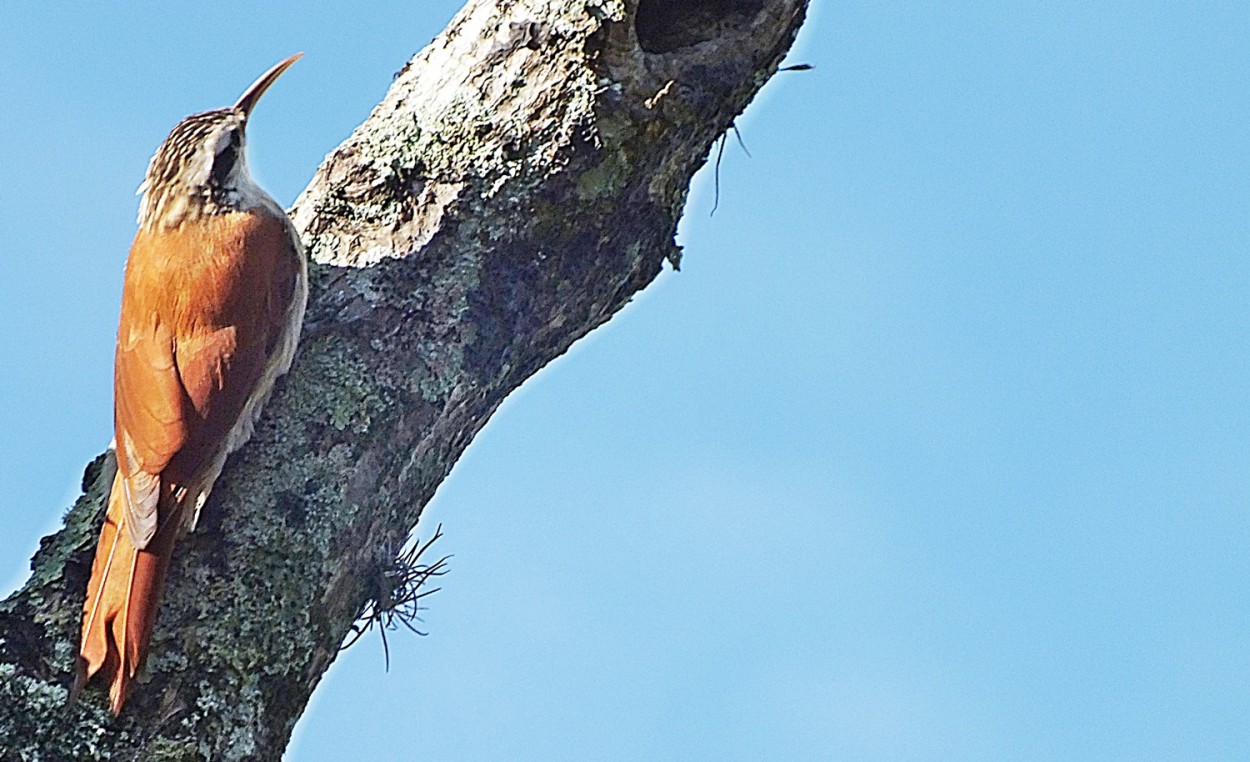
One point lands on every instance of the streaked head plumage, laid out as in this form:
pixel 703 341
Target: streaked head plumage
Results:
pixel 201 167
pixel 195 167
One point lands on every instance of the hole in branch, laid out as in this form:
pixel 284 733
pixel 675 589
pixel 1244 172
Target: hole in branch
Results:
pixel 667 25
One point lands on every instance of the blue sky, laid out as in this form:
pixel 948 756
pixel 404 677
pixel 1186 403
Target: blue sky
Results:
pixel 938 446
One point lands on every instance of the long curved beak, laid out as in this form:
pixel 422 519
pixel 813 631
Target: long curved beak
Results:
pixel 248 100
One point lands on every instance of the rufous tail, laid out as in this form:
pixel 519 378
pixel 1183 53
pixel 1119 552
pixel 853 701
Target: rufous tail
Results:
pixel 122 599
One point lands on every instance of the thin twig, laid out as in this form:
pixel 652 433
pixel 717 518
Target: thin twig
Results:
pixel 741 143
pixel 720 151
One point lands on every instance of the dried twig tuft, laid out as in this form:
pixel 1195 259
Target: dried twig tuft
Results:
pixel 397 597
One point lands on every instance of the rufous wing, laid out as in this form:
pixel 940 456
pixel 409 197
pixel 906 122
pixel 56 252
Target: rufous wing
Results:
pixel 203 308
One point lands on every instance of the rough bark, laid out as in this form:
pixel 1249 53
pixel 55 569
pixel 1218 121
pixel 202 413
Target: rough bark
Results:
pixel 521 180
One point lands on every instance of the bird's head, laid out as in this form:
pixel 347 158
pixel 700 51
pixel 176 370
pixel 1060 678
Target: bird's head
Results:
pixel 201 168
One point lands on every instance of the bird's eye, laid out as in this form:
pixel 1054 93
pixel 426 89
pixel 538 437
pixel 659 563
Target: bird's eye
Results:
pixel 225 159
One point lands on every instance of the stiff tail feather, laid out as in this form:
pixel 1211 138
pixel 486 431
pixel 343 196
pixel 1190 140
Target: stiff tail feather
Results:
pixel 122 599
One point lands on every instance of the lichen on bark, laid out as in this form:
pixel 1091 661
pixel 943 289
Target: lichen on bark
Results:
pixel 520 181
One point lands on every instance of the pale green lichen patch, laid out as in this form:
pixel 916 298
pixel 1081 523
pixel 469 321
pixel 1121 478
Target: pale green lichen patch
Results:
pixel 167 750
pixel 615 130
pixel 444 363
pixel 341 389
pixel 394 146
pixel 605 179
pixel 240 701
pixel 34 716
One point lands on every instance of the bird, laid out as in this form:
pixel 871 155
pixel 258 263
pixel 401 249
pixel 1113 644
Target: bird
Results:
pixel 213 297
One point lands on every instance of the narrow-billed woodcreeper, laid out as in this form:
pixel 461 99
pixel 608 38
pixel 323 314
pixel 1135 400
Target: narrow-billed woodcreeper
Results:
pixel 213 298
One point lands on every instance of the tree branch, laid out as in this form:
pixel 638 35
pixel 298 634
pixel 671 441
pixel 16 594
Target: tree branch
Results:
pixel 521 180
